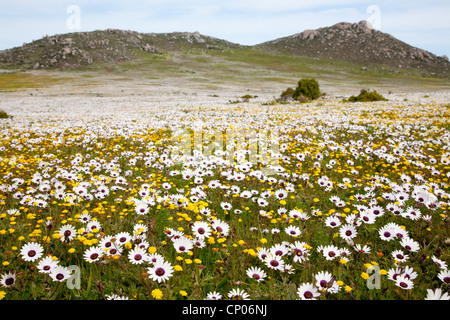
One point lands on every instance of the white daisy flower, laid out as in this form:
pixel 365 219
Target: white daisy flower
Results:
pixel 161 271
pixel 31 251
pixel 60 273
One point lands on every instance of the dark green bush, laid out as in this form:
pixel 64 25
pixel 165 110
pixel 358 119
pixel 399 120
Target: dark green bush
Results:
pixel 367 96
pixel 309 88
pixel 4 115
pixel 247 97
pixel 286 93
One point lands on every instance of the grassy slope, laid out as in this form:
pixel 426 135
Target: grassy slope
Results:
pixel 234 65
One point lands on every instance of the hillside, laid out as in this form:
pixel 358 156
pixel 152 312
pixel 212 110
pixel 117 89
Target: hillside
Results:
pixel 347 54
pixel 81 49
pixel 359 43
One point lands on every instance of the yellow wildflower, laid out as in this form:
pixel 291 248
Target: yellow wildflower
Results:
pixel 157 294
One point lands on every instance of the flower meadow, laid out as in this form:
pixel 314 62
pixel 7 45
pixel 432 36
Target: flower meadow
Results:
pixel 326 201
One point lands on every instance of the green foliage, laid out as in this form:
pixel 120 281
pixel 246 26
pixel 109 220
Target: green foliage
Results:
pixel 4 115
pixel 367 96
pixel 247 97
pixel 288 92
pixel 308 88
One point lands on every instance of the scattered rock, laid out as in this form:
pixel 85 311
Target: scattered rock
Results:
pixel 352 42
pixel 79 49
pixel 309 34
pixel 359 43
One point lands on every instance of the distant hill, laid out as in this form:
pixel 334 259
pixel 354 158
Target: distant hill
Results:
pixel 80 49
pixel 359 43
pixel 356 43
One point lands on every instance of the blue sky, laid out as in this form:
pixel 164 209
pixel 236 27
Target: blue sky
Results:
pixel 424 24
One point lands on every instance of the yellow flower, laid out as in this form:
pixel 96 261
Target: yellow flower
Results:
pixel 365 275
pixel 383 272
pixel 183 293
pixel 56 236
pixel 157 294
pixel 128 245
pixel 263 240
pixel 188 261
pixel 5 263
pixel 348 288
pixel 316 200
pixel 151 250
pixel 177 268
pixel 31 216
pixel 340 283
pixel 71 250
pixel 2 294
pixel 198 261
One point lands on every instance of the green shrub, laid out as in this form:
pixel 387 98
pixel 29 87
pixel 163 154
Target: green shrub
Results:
pixel 309 88
pixel 247 97
pixel 4 115
pixel 367 96
pixel 286 93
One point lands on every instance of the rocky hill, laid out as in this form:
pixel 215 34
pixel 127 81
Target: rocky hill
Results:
pixel 359 43
pixel 356 43
pixel 80 49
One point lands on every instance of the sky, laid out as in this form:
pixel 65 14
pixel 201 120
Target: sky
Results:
pixel 423 24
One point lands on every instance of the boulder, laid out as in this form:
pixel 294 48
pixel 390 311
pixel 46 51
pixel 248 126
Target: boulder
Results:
pixel 309 34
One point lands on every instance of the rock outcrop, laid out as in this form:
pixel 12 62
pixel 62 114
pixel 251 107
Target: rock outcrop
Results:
pixel 81 49
pixel 362 44
pixel 350 42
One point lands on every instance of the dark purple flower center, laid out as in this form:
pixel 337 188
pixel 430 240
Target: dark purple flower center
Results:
pixel 160 272
pixel 256 276
pixel 274 263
